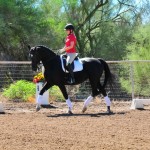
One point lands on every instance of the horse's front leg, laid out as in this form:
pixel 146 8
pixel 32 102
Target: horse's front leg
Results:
pixel 40 96
pixel 68 101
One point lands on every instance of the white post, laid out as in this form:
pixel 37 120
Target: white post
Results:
pixel 1 108
pixel 45 97
pixel 132 79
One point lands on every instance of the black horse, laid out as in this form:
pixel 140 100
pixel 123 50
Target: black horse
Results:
pixel 93 69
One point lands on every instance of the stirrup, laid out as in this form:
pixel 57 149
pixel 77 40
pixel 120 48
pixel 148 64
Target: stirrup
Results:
pixel 71 81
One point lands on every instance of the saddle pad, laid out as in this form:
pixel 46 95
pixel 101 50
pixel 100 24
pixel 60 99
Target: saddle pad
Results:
pixel 78 66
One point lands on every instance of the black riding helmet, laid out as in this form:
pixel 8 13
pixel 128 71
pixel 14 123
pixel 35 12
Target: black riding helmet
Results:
pixel 69 27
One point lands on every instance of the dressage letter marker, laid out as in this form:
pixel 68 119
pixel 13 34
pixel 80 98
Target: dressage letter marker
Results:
pixel 45 97
pixel 1 109
pixel 139 103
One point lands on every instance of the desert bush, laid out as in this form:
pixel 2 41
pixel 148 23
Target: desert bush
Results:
pixel 21 90
pixel 24 90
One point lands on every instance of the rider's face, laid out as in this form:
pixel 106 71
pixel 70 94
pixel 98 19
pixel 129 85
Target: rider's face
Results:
pixel 68 32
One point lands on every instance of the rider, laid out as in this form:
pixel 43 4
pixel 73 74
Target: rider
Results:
pixel 70 49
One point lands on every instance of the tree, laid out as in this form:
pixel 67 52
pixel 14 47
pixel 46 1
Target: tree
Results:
pixel 18 22
pixel 139 49
pixel 101 26
pixel 80 13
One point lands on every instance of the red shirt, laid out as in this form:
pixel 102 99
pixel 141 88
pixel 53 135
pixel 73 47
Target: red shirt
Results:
pixel 69 39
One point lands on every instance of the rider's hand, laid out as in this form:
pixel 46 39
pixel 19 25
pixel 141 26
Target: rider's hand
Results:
pixel 62 50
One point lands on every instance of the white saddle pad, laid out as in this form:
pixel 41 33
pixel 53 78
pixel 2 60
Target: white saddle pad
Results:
pixel 78 66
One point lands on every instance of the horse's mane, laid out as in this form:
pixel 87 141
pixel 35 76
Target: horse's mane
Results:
pixel 42 46
pixel 47 49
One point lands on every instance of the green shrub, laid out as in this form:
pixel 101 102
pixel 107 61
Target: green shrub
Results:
pixel 55 94
pixel 141 73
pixel 23 90
pixel 20 90
pixel 139 49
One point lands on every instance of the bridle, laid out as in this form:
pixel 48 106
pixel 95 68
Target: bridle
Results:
pixel 37 58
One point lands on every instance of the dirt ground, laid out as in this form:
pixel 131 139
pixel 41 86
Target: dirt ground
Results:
pixel 21 128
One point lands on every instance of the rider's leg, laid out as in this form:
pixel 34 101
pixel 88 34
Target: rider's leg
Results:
pixel 70 59
pixel 71 73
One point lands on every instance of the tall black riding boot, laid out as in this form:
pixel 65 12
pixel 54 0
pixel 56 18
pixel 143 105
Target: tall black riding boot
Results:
pixel 72 80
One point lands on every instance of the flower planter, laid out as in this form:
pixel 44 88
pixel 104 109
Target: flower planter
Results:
pixel 45 98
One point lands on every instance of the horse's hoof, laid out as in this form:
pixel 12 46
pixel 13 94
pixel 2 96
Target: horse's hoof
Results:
pixel 84 109
pixel 37 108
pixel 70 112
pixel 109 112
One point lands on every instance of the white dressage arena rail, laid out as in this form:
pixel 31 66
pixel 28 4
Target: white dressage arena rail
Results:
pixel 15 62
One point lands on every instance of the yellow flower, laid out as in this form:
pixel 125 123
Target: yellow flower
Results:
pixel 39 77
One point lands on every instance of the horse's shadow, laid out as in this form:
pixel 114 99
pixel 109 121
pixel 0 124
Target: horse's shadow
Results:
pixel 84 115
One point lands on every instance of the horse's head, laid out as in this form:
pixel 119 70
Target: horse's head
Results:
pixel 35 57
pixel 40 53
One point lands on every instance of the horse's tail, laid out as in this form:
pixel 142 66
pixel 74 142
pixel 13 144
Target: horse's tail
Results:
pixel 109 77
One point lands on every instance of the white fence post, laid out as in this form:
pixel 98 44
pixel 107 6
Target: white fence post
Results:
pixel 132 78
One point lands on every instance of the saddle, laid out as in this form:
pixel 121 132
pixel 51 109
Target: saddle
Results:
pixel 76 64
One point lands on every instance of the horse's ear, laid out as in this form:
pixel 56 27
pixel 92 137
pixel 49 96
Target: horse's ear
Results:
pixel 29 47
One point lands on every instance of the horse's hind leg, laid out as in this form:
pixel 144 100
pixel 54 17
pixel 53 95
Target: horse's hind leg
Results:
pixel 95 92
pixel 106 98
pixel 86 103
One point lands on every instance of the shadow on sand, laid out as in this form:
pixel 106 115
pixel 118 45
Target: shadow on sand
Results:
pixel 84 115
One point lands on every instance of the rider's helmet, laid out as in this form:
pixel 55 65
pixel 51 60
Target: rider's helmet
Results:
pixel 69 27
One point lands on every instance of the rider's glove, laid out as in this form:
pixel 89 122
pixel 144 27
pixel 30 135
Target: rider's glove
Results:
pixel 62 50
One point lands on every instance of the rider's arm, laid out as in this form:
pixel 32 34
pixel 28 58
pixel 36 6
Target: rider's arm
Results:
pixel 72 43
